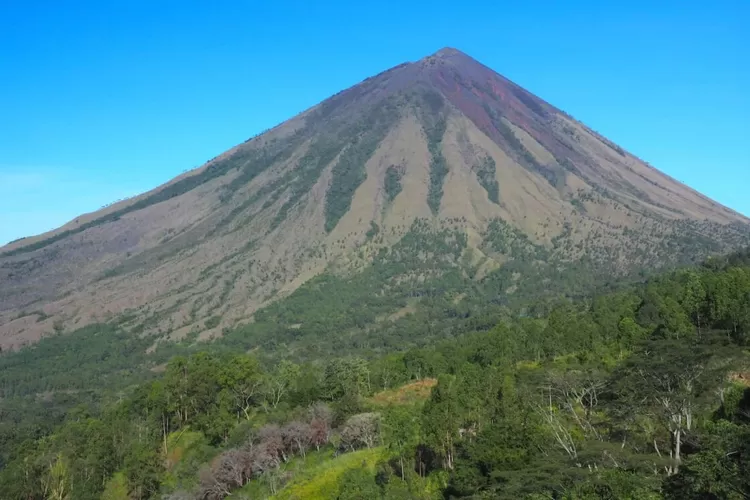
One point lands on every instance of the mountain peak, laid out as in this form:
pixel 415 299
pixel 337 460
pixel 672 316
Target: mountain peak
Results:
pixel 447 52
pixel 451 56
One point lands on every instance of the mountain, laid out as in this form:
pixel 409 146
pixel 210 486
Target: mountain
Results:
pixel 437 183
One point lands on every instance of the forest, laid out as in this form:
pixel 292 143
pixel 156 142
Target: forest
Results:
pixel 638 393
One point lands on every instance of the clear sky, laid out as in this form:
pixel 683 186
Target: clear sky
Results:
pixel 103 100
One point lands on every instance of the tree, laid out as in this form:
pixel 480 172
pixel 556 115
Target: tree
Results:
pixel 361 430
pixel 694 297
pixel 321 417
pixel 358 484
pixel 57 481
pixel 389 371
pixel 234 468
pixel 297 436
pixel 675 323
pixel 272 439
pixel 667 380
pixel 116 488
pixel 265 457
pixel 192 388
pixel 719 470
pixel 177 386
pixel 231 470
pixel 401 429
pixel 210 488
pixel 577 393
pixel 279 383
pixel 441 418
pixel 143 470
pixel 629 332
pixel 498 346
pixel 242 378
pixel 274 478
pixel 729 299
pixel 346 377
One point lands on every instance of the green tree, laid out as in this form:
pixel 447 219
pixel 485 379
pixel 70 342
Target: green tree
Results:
pixel 401 426
pixel 441 419
pixel 694 298
pixel 718 470
pixel 279 383
pixel 58 481
pixel 116 488
pixel 669 380
pixel 629 332
pixel 241 378
pixel 346 377
pixel 358 484
pixel 143 468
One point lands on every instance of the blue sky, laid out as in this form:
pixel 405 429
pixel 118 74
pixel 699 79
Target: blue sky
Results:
pixel 103 100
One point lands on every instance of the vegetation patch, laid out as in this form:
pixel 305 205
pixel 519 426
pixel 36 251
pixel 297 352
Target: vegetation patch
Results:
pixel 424 263
pixel 373 231
pixel 553 174
pixel 322 482
pixel 212 322
pixel 438 172
pixel 321 153
pixel 355 142
pixel 432 114
pixel 503 238
pixel 349 171
pixel 486 175
pixel 413 392
pixel 392 183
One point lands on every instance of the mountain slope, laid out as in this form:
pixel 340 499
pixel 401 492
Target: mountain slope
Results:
pixel 431 169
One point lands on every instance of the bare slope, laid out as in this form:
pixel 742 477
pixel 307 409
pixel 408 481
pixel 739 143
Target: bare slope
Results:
pixel 443 142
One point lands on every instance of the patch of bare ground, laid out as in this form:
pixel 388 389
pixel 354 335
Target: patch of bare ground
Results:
pixel 410 152
pixel 741 378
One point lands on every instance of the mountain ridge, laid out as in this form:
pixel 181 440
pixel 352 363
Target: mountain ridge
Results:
pixel 443 140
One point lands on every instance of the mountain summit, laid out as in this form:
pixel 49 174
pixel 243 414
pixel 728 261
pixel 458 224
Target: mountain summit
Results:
pixel 436 178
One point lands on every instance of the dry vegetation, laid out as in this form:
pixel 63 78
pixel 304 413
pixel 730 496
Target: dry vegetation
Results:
pixel 413 392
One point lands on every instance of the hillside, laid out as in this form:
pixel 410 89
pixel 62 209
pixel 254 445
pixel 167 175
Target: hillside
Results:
pixel 639 394
pixel 434 178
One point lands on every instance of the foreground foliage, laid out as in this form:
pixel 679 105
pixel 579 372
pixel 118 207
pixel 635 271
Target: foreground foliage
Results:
pixel 636 394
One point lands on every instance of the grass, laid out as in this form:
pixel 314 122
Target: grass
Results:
pixel 297 466
pixel 411 393
pixel 318 476
pixel 321 481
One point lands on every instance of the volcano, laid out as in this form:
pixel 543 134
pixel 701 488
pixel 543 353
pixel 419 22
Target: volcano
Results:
pixel 434 179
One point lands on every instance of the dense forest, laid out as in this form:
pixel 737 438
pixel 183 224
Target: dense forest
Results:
pixel 634 394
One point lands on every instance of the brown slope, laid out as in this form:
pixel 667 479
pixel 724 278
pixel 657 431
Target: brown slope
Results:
pixel 485 97
pixel 256 222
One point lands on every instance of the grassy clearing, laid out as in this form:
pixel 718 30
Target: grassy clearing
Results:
pixel 414 392
pixel 322 480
